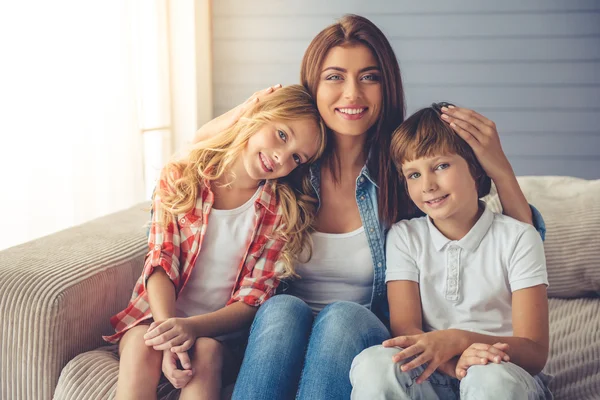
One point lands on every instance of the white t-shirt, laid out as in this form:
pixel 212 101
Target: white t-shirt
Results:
pixel 341 269
pixel 467 284
pixel 214 275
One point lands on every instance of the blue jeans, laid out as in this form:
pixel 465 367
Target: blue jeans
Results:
pixel 375 376
pixel 292 354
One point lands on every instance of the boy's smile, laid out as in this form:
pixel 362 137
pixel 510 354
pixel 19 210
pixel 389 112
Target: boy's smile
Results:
pixel 443 188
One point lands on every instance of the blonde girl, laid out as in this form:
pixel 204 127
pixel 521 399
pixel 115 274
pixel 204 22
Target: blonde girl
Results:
pixel 203 282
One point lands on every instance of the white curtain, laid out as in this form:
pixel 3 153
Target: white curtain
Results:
pixel 80 83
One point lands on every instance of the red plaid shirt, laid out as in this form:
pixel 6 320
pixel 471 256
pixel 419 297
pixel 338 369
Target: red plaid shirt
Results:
pixel 175 250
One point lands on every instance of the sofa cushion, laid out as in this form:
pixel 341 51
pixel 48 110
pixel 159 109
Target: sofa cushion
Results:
pixel 574 357
pixel 571 210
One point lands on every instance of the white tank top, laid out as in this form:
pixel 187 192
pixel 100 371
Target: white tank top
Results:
pixel 215 272
pixel 341 268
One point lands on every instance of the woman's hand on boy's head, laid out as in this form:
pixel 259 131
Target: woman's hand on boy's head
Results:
pixel 175 334
pixel 481 134
pixel 481 354
pixel 431 348
pixel 226 120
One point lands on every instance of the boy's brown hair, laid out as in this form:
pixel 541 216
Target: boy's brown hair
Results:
pixel 425 134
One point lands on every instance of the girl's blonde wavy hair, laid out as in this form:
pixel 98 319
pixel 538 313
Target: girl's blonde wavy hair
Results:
pixel 211 158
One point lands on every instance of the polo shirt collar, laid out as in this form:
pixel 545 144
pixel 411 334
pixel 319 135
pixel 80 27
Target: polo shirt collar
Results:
pixel 471 240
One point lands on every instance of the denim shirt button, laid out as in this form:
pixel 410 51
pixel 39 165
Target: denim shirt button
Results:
pixel 379 264
pixel 362 197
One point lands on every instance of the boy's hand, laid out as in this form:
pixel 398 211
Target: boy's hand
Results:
pixel 176 334
pixel 481 354
pixel 177 377
pixel 433 348
pixel 449 367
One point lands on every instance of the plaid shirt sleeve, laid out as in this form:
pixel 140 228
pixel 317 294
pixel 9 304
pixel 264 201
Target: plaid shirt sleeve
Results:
pixel 163 243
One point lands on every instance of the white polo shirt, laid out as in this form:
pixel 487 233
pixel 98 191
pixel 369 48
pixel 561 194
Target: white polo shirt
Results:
pixel 467 284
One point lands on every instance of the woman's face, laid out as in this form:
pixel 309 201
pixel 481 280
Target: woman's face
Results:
pixel 349 92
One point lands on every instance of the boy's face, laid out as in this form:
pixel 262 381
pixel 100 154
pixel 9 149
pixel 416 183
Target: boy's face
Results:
pixel 442 187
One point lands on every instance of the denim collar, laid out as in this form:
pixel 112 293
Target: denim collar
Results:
pixel 315 175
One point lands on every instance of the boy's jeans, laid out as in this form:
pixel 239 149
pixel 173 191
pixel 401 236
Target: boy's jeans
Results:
pixel 375 377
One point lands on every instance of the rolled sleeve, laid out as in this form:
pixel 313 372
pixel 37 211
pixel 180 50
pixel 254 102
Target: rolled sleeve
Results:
pixel 163 241
pixel 538 222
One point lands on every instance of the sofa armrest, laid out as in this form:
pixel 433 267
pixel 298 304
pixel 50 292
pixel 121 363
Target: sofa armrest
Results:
pixel 57 294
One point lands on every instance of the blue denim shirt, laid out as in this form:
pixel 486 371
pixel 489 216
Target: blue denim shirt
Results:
pixel 366 199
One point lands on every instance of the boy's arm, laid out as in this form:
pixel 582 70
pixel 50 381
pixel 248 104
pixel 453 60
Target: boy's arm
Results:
pixel 528 347
pixel 405 308
pixel 406 317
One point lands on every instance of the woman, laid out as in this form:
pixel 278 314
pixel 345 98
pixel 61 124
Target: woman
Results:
pixel 302 342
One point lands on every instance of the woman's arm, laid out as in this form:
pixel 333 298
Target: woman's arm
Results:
pixel 481 134
pixel 226 120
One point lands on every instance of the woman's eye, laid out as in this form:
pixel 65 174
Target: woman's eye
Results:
pixel 282 135
pixel 371 77
pixel 333 78
pixel 442 166
pixel 414 175
pixel 297 159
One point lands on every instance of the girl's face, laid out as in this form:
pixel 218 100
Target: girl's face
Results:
pixel 279 147
pixel 349 93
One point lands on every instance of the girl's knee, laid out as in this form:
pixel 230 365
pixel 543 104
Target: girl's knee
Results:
pixel 132 348
pixel 208 353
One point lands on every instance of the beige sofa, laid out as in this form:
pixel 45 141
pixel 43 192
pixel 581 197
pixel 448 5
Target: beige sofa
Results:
pixel 58 293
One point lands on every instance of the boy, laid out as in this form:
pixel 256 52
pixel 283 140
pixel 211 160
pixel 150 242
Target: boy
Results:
pixel 466 287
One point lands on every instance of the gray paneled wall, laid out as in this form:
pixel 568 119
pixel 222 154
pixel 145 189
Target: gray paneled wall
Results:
pixel 531 66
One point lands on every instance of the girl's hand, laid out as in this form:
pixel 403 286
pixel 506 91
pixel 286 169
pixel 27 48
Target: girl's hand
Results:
pixel 481 134
pixel 480 354
pixel 226 120
pixel 433 348
pixel 175 334
pixel 177 377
